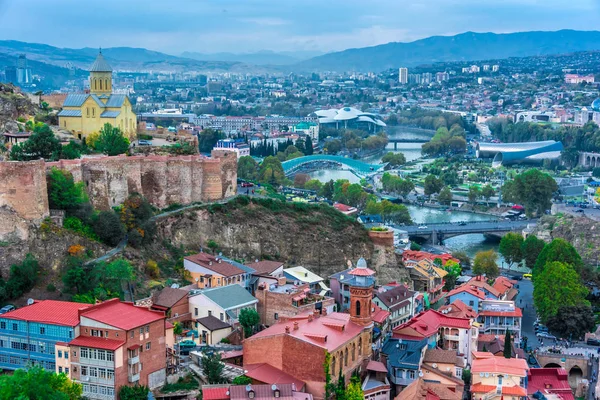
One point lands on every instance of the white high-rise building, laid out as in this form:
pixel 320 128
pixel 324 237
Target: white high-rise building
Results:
pixel 403 76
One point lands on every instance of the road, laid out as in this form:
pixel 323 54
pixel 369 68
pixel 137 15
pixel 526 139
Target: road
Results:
pixel 468 227
pixel 524 300
pixel 591 213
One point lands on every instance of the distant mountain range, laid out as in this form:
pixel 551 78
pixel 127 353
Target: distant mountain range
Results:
pixel 469 46
pixel 264 57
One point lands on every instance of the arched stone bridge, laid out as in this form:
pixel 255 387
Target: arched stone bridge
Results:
pixel 436 233
pixel 358 167
pixel 576 366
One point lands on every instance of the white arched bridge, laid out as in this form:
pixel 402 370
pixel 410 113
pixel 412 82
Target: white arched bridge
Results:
pixel 322 161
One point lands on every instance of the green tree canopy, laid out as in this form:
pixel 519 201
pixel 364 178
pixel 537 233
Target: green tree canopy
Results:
pixel 511 247
pixel 507 345
pixel 313 184
pixel 393 159
pixel 249 319
pixel 445 196
pixel 487 191
pixel 213 368
pixel 432 185
pixel 558 250
pixel 41 144
pixel 111 141
pixel 271 171
pixel 572 322
pixel 533 188
pixel 137 392
pixel 247 168
pixel 558 286
pixel 208 138
pixel 36 383
pixel 107 225
pixel 474 194
pixel 532 247
pixel 63 192
pixel 485 264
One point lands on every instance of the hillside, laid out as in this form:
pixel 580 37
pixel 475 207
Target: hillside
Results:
pixel 469 46
pixel 259 58
pixel 120 58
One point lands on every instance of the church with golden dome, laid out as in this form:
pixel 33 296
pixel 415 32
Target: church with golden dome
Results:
pixel 86 113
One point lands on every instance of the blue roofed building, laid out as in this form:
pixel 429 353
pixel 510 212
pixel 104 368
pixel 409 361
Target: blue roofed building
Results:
pixel 223 303
pixel 29 335
pixel 403 359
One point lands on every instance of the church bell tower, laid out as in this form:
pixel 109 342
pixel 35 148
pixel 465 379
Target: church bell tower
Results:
pixel 101 76
pixel 361 293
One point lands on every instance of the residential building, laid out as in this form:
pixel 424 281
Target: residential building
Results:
pixel 238 147
pixel 35 333
pixel 403 358
pixel 340 291
pixel 403 76
pixel 481 283
pixel 496 316
pixel 498 377
pixel 267 267
pixel 552 383
pixel 376 386
pixel 428 279
pixel 577 79
pixel 345 209
pixel 444 361
pixel 506 288
pixel 309 129
pixel 86 113
pixel 398 300
pixel 495 344
pixel 174 303
pixel 210 271
pixel 468 294
pixel 409 256
pixel 448 333
pixel 287 300
pixel 458 309
pixel 119 344
pixel 421 389
pixel 381 327
pixel 282 391
pixel 300 275
pixel 292 344
pixel 224 303
pixel 212 330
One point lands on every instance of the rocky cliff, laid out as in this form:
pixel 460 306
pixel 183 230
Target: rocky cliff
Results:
pixel 13 105
pixel 583 233
pixel 314 236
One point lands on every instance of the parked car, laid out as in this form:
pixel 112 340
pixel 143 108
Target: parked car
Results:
pixel 593 342
pixel 580 211
pixel 516 277
pixel 462 223
pixel 247 184
pixel 541 328
pixel 144 142
pixel 7 308
pixel 422 227
pixel 545 335
pixel 186 346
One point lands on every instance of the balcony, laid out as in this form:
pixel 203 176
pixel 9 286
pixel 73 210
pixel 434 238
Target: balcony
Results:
pixel 133 378
pixel 134 360
pixel 454 338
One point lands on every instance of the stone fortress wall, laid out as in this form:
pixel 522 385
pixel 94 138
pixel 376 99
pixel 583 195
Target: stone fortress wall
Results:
pixel 163 180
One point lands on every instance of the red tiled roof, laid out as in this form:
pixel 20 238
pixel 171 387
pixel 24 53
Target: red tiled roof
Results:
pixel 265 266
pixel 470 289
pixel 479 281
pixel 417 255
pixel 378 315
pixel 49 312
pixel 269 374
pixel 427 324
pixel 493 313
pixel 549 381
pixel 96 342
pixel 343 208
pixel 458 309
pixel 324 331
pixel 503 284
pixel 212 263
pixel 507 390
pixel 122 315
pixel 376 366
pixel 168 325
pixel 361 272
pixel 510 366
pixel 216 393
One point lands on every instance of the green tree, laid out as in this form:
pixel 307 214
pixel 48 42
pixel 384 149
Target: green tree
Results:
pixel 333 146
pixel 35 383
pixel 300 180
pixel 466 376
pixel 111 141
pixel 249 319
pixel 271 171
pixel 308 146
pixel 313 184
pixel 393 159
pixel 107 225
pixel 532 247
pixel 241 380
pixel 208 138
pixel 507 345
pixel 432 185
pixel 177 328
pixel 340 388
pixel 41 144
pixel 247 168
pixel 487 192
pixel 558 250
pixel 485 264
pixel 533 188
pixel 329 387
pixel 465 260
pixel 22 278
pixel 445 196
pixel 572 322
pixel 75 277
pixel 71 151
pixel 63 192
pixel 212 366
pixel 474 194
pixel 511 248
pixel 136 392
pixel 327 190
pixel 354 390
pixel 558 286
pixel 454 270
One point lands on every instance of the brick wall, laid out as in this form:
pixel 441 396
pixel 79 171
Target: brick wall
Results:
pixel 270 303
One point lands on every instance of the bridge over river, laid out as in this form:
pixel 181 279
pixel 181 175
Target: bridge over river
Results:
pixel 436 233
pixel 358 167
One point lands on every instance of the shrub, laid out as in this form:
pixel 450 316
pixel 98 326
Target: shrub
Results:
pixel 108 227
pixel 51 288
pixel 76 250
pixel 152 269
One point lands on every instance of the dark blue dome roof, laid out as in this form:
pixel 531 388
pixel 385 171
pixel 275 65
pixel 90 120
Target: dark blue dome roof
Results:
pixel 596 105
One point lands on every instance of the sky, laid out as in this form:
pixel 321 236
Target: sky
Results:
pixel 242 26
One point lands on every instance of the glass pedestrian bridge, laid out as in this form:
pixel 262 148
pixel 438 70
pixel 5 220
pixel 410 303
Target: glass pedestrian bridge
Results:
pixel 358 167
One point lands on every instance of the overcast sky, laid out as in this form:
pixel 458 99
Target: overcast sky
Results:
pixel 174 26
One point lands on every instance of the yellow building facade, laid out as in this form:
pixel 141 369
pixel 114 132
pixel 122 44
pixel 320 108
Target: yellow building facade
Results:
pixel 86 113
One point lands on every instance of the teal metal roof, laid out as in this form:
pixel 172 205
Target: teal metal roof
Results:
pixel 100 65
pixel 110 114
pixel 356 165
pixel 70 113
pixel 115 100
pixel 230 297
pixel 75 100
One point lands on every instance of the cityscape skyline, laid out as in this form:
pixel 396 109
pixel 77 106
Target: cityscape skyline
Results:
pixel 244 27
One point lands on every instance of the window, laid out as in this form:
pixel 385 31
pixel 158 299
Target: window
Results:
pixel 94 372
pixel 358 308
pixel 411 374
pixel 2 325
pixel 471 303
pixel 110 374
pixel 60 370
pixel 66 355
pixel 105 333
pixel 131 334
pixel 74 353
pixel 15 327
pixel 209 313
pixel 196 311
pixel 67 370
pixel 87 111
pixel 142 330
pixel 500 377
pixel 221 316
pixel 84 370
pixel 109 356
pixel 346 358
pixel 400 373
pixel 148 346
pixel 147 328
pixel 93 112
pixel 276 317
pixel 84 353
pixel 60 354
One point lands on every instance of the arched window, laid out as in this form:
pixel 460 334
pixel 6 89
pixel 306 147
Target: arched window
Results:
pixel 360 346
pixel 353 352
pixel 333 365
pixel 95 84
pixel 346 357
pixel 106 84
pixel 87 111
pixel 93 112
pixel 357 308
